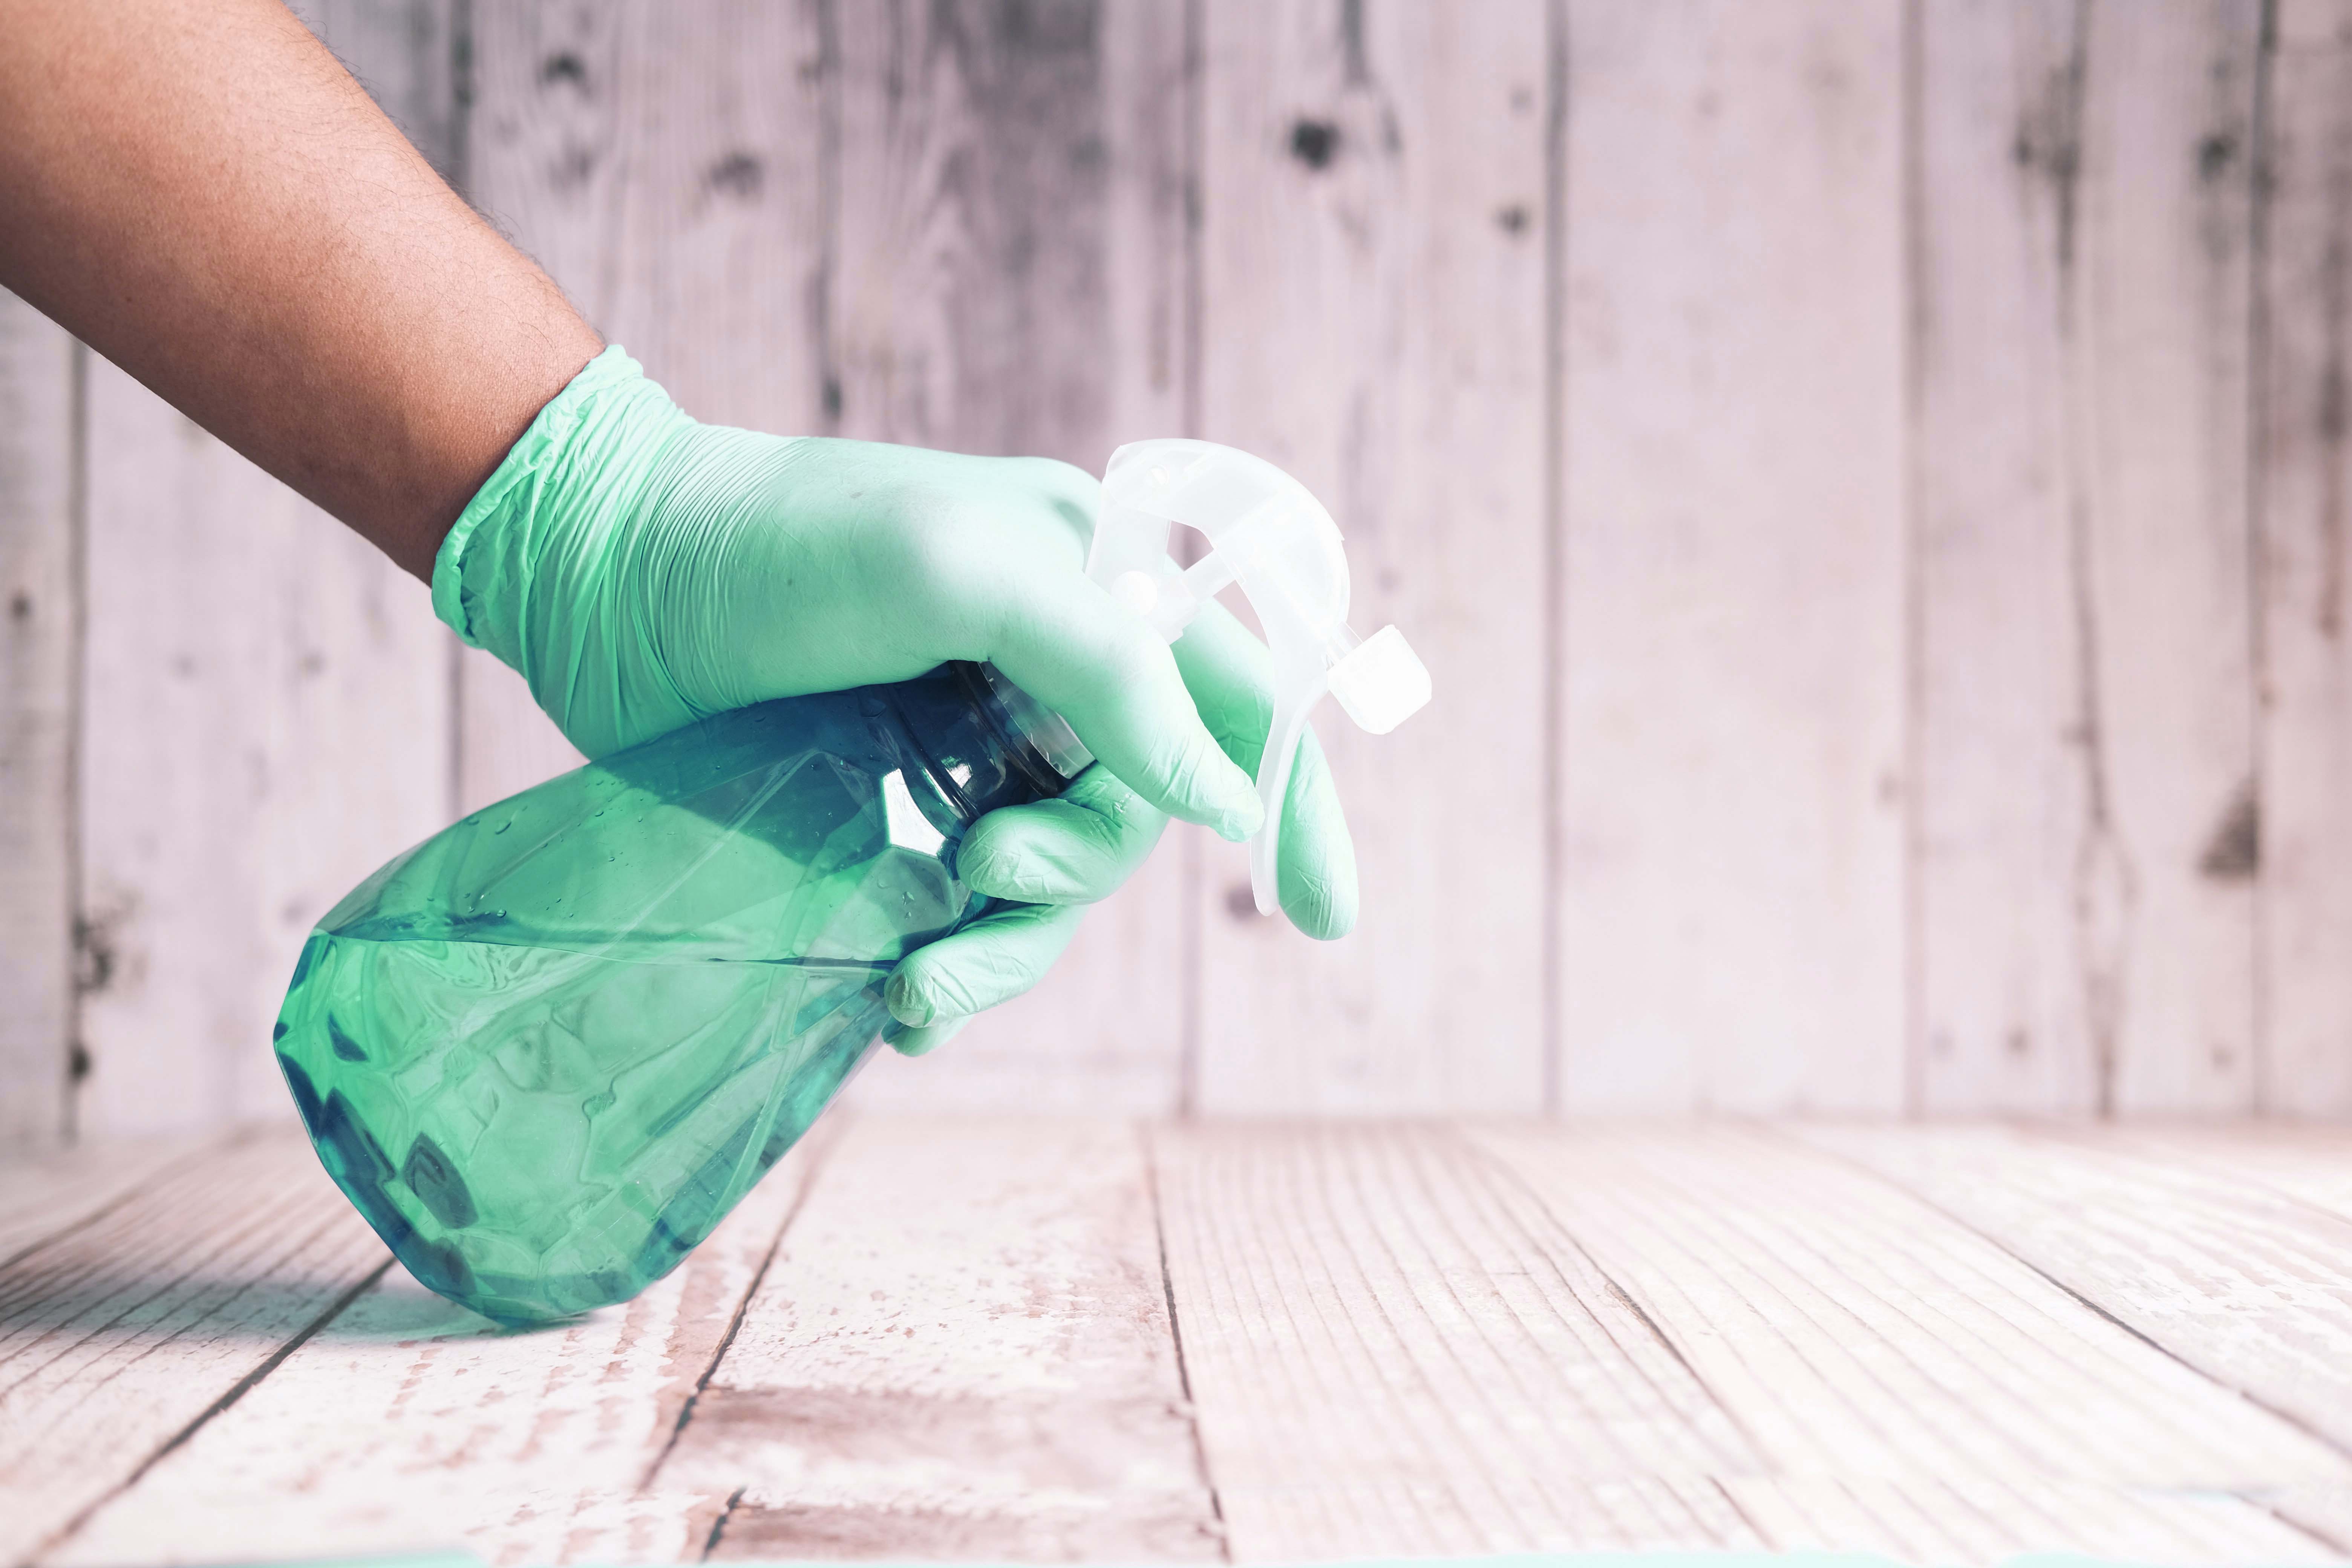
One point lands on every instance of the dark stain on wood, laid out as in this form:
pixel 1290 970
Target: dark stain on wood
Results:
pixel 1512 220
pixel 1315 143
pixel 2215 154
pixel 2331 416
pixel 739 174
pixel 565 69
pixel 1241 903
pixel 2234 853
pixel 1356 64
pixel 97 940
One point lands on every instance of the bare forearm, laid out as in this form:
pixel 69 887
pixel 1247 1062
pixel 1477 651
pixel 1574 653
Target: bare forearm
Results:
pixel 198 191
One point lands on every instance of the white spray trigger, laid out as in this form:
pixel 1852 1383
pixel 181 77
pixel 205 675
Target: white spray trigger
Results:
pixel 1270 536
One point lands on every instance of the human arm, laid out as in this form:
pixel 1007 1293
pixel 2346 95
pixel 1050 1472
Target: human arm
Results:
pixel 199 191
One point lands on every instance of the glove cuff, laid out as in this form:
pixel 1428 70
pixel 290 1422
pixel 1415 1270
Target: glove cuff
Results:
pixel 548 507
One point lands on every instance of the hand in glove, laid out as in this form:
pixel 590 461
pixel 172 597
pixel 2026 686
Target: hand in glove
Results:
pixel 643 570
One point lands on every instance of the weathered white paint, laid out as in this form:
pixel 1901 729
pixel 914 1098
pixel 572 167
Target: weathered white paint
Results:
pixel 962 1351
pixel 40 631
pixel 1372 286
pixel 407 1422
pixel 2158 384
pixel 2305 478
pixel 265 722
pixel 46 1193
pixel 1401 1338
pixel 2001 791
pixel 1396 1350
pixel 119 1337
pixel 1731 931
pixel 1812 1298
pixel 2249 1286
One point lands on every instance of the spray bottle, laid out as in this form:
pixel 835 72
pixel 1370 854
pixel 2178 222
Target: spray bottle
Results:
pixel 547 1050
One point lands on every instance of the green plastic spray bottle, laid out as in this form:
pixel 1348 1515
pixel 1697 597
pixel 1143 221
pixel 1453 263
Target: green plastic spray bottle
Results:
pixel 547 1050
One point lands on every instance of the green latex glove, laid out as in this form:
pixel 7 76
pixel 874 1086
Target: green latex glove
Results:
pixel 643 570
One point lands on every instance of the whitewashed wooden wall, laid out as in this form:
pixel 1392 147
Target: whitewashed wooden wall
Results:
pixel 1869 477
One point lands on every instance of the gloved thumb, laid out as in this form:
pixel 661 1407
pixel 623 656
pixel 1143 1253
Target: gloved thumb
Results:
pixel 1073 648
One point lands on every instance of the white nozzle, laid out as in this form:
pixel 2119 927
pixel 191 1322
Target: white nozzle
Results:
pixel 1269 535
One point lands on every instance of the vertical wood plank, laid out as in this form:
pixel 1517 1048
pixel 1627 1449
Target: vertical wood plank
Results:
pixel 2001 791
pixel 961 1351
pixel 665 164
pixel 2306 482
pixel 1011 276
pixel 40 633
pixel 265 721
pixel 2161 391
pixel 1731 933
pixel 1374 320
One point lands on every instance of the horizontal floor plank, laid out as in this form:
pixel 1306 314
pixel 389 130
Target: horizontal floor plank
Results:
pixel 1935 1521
pixel 2248 1285
pixel 411 1423
pixel 1914 1387
pixel 117 1338
pixel 50 1194
pixel 962 1350
pixel 1394 1350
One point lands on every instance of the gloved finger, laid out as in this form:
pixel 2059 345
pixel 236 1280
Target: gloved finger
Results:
pixel 922 1042
pixel 1070 646
pixel 1230 676
pixel 1073 849
pixel 992 960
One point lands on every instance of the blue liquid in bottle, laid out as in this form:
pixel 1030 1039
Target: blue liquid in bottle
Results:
pixel 547 1050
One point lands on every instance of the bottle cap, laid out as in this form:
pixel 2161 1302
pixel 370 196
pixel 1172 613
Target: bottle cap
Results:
pixel 1267 534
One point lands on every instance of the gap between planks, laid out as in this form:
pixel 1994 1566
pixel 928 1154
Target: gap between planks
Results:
pixel 991 1339
pixel 388 1419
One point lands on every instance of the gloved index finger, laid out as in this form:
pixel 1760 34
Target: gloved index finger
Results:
pixel 1073 649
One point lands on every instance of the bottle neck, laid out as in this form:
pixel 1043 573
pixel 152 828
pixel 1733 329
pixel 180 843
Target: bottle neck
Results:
pixel 977 749
pixel 1049 738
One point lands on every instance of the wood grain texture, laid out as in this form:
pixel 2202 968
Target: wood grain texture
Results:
pixel 40 633
pixel 48 1193
pixel 2002 792
pixel 408 1423
pixel 2251 1286
pixel 120 1338
pixel 2305 484
pixel 1731 929
pixel 267 720
pixel 2161 388
pixel 1966 1523
pixel 1373 185
pixel 2088 830
pixel 1395 1350
pixel 961 1351
pixel 1010 274
pixel 1854 1330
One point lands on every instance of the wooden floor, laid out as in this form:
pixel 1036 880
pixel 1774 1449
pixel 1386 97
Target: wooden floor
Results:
pixel 1093 1341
